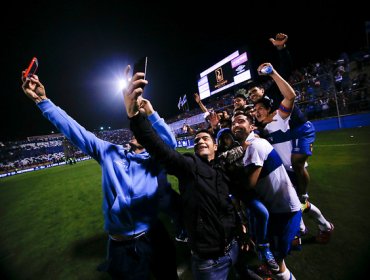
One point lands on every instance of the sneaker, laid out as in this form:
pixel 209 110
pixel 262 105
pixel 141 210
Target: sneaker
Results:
pixel 323 236
pixel 182 237
pixel 267 257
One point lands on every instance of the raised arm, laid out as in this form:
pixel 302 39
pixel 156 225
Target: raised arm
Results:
pixel 158 123
pixel 285 88
pixel 133 91
pixel 33 88
pixel 174 162
pixel 77 134
pixel 279 41
pixel 285 59
pixel 199 102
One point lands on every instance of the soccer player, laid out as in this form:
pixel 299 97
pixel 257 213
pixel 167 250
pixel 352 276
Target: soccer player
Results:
pixel 267 177
pixel 275 128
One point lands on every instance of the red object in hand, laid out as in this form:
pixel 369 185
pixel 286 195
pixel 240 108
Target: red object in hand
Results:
pixel 32 67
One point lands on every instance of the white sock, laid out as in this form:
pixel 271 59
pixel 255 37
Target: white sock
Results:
pixel 316 214
pixel 302 226
pixel 286 275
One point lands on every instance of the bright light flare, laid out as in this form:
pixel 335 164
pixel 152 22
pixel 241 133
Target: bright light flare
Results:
pixel 121 84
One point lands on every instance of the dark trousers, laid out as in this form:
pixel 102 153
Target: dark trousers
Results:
pixel 151 254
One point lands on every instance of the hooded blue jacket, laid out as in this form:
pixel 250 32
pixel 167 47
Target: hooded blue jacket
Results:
pixel 129 180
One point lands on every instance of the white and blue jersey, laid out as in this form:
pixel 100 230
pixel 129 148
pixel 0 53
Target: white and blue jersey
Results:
pixel 276 191
pixel 274 187
pixel 278 134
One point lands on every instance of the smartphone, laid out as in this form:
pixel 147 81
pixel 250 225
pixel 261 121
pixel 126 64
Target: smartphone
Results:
pixel 32 67
pixel 140 66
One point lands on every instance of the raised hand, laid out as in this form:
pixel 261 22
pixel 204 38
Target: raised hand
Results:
pixel 196 97
pixel 214 119
pixel 33 88
pixel 133 90
pixel 265 69
pixel 145 106
pixel 279 41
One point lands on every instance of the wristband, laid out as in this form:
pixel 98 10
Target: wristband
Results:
pixel 285 109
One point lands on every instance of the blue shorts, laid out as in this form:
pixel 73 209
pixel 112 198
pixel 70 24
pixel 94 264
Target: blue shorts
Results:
pixel 303 137
pixel 283 227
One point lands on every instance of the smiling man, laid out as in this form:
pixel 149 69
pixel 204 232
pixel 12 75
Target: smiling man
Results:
pixel 209 215
pixel 266 175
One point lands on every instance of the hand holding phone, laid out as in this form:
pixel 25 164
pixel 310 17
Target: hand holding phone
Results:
pixel 140 66
pixel 32 67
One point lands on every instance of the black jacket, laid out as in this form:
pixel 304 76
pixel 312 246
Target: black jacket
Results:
pixel 209 216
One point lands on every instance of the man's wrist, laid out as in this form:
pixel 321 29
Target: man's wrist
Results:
pixel 133 114
pixel 149 112
pixel 40 98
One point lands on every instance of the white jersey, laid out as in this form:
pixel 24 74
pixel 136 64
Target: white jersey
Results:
pixel 277 133
pixel 274 187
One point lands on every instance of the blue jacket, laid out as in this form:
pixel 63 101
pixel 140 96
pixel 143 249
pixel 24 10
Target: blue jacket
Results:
pixel 129 180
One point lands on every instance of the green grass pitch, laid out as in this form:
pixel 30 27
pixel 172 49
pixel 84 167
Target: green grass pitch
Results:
pixel 51 223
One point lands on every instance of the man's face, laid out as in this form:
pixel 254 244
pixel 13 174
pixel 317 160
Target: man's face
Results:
pixel 204 146
pixel 261 112
pixel 239 103
pixel 255 94
pixel 241 127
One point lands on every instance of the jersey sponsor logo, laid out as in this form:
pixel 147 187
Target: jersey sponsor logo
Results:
pixel 122 163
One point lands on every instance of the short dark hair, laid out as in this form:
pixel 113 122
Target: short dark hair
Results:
pixel 242 93
pixel 256 83
pixel 225 122
pixel 203 130
pixel 244 113
pixel 266 101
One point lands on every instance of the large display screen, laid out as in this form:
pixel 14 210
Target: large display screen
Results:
pixel 230 71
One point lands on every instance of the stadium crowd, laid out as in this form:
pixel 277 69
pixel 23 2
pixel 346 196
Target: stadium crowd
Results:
pixel 323 89
pixel 49 150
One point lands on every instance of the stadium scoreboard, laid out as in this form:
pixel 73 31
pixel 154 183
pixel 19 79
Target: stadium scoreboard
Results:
pixel 230 71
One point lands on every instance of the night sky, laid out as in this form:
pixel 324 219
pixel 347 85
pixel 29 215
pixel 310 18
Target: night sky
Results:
pixel 84 48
